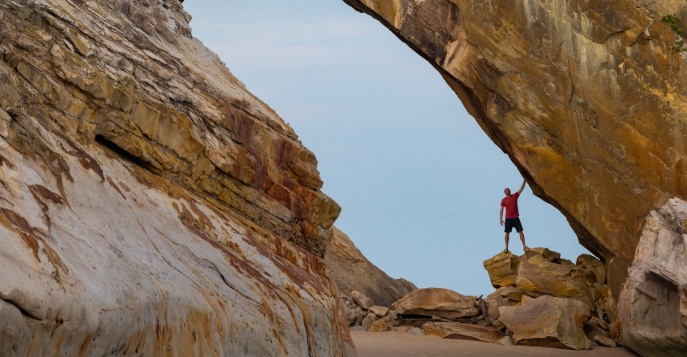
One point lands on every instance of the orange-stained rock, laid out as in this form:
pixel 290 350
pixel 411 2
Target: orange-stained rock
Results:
pixel 587 98
pixel 149 204
pixel 502 269
pixel 549 322
pixel 461 331
pixel 537 277
pixel 438 302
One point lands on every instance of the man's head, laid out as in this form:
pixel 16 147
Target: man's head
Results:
pixel 507 191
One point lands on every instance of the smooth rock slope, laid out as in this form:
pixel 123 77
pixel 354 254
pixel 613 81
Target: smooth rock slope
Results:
pixel 149 204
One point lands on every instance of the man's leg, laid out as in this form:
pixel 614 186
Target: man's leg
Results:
pixel 522 239
pixel 506 239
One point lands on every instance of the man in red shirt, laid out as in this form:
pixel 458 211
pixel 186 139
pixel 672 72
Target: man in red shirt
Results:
pixel 510 203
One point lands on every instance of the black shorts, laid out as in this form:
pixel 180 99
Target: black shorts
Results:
pixel 513 223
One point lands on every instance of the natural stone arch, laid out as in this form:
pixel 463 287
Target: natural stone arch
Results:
pixel 587 99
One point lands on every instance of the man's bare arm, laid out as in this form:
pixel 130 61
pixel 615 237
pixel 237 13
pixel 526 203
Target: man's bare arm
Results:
pixel 501 216
pixel 522 187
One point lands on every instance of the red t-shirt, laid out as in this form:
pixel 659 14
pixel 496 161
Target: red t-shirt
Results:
pixel 511 204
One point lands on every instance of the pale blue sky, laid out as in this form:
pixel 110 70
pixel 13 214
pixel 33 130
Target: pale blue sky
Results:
pixel 419 183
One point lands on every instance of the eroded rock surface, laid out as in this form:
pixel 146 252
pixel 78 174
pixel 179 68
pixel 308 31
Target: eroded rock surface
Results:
pixel 548 321
pixel 149 204
pixel 586 97
pixel 442 303
pixel 653 303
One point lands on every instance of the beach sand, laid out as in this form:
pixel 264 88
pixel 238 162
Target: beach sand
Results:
pixel 401 344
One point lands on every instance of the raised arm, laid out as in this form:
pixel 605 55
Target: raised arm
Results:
pixel 521 187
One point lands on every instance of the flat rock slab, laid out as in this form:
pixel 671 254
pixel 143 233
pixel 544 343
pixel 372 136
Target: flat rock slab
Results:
pixel 430 302
pixel 461 331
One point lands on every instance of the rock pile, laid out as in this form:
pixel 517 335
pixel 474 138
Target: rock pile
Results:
pixel 540 300
pixel 542 289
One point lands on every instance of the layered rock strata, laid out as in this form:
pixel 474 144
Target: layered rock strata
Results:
pixel 587 98
pixel 149 204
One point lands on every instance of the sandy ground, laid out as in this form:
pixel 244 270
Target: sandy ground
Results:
pixel 401 344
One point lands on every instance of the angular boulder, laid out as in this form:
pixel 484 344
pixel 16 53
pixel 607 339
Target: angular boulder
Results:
pixel 542 253
pixel 438 302
pixel 361 300
pixel 548 321
pixel 512 293
pixel 536 276
pixel 462 331
pixel 380 311
pixel 502 269
pixel 493 302
pixel 594 266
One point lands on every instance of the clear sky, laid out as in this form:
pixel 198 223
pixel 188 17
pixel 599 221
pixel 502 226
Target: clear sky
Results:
pixel 419 183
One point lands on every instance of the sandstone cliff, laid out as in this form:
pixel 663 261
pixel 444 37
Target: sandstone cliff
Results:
pixel 149 204
pixel 351 271
pixel 588 99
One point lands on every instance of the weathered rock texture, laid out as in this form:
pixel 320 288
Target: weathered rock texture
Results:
pixel 548 321
pixel 588 99
pixel 653 304
pixel 351 271
pixel 461 331
pixel 442 303
pixel 150 205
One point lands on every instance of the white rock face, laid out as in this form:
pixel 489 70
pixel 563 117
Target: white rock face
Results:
pixel 149 204
pixel 653 302
pixel 111 265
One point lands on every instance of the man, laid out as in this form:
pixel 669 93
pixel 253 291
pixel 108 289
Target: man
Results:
pixel 510 203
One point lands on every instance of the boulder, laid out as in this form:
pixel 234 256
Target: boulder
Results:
pixel 462 331
pixel 544 253
pixel 549 322
pixel 502 269
pixel 536 276
pixel 593 265
pixel 361 300
pixel 493 301
pixel 380 311
pixel 369 319
pixel 380 326
pixel 604 341
pixel 351 271
pixel 438 302
pixel 513 294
